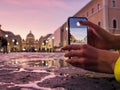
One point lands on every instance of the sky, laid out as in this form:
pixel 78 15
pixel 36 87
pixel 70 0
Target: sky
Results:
pixel 39 16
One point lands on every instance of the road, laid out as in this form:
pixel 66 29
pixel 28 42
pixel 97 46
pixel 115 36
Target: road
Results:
pixel 48 71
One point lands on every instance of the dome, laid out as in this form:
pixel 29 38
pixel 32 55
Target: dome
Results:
pixel 30 35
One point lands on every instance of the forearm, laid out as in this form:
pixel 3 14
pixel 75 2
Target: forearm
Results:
pixel 107 59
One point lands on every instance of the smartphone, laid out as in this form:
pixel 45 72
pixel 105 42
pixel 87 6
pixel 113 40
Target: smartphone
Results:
pixel 77 34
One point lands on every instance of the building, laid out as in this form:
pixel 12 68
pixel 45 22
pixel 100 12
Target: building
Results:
pixel 16 44
pixel 14 41
pixel 2 32
pixel 60 37
pixel 30 44
pixel 104 13
pixel 46 43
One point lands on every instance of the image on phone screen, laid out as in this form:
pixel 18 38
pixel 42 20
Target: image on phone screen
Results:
pixel 77 33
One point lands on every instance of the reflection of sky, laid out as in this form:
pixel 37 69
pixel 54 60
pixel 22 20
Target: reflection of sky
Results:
pixel 79 33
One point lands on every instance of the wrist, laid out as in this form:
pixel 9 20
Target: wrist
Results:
pixel 109 58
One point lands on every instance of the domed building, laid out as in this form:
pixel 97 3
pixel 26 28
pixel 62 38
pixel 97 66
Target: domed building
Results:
pixel 30 44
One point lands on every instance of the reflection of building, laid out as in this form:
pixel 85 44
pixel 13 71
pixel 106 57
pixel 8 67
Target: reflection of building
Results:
pixel 48 63
pixel 30 44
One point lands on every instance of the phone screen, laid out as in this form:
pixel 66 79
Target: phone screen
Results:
pixel 77 34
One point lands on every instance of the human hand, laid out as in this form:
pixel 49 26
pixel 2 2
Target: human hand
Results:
pixel 90 58
pixel 98 37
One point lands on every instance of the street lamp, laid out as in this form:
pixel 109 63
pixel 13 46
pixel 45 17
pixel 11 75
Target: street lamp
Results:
pixel 13 40
pixel 66 28
pixel 6 35
pixel 53 43
pixel 17 43
pixel 46 45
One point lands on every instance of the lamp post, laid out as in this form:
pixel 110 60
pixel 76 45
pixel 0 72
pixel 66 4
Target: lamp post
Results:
pixel 53 44
pixel 6 35
pixel 46 45
pixel 13 41
pixel 66 28
pixel 8 44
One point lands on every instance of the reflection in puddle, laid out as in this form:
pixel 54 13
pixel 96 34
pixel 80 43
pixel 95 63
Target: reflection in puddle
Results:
pixel 16 67
pixel 38 66
pixel 47 63
pixel 39 63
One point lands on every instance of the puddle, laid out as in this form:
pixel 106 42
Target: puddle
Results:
pixel 34 63
pixel 37 64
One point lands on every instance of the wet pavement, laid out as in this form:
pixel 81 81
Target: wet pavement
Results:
pixel 49 71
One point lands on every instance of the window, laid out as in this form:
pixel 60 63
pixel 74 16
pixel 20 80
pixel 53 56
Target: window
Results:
pixel 87 14
pixel 113 3
pixel 114 23
pixel 99 23
pixel 92 10
pixel 98 6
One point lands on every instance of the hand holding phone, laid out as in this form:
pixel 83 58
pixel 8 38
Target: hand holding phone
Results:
pixel 77 33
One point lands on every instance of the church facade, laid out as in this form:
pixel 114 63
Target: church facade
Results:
pixel 30 44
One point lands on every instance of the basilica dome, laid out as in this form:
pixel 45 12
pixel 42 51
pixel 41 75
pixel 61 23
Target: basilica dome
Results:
pixel 30 38
pixel 30 35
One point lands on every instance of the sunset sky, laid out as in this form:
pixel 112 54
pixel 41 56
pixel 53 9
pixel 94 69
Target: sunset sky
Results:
pixel 40 16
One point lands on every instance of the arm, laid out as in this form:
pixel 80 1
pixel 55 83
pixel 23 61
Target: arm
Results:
pixel 90 58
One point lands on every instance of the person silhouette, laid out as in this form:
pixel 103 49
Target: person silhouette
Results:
pixel 3 44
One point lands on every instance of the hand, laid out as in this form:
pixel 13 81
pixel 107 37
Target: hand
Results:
pixel 90 58
pixel 98 37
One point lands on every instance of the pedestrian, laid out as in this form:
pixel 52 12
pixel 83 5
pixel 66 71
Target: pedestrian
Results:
pixel 97 54
pixel 3 44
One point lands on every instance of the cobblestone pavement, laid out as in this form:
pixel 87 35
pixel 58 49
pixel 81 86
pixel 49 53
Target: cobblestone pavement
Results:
pixel 48 71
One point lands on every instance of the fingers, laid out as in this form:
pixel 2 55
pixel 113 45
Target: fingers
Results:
pixel 90 24
pixel 74 47
pixel 76 62
pixel 98 30
pixel 85 51
pixel 83 63
pixel 76 53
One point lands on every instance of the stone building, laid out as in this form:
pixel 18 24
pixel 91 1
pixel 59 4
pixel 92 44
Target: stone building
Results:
pixel 60 37
pixel 14 41
pixel 104 13
pixel 2 32
pixel 30 44
pixel 46 43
